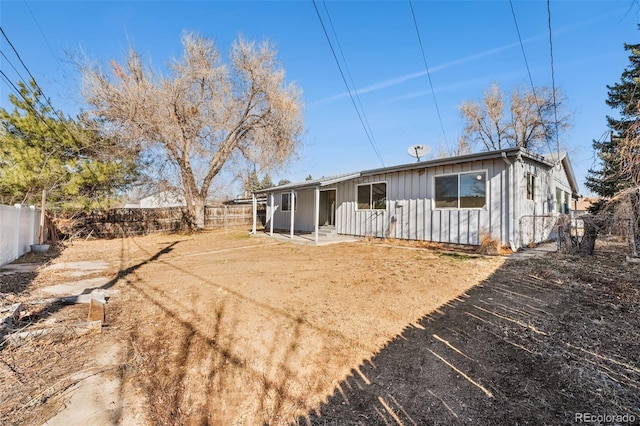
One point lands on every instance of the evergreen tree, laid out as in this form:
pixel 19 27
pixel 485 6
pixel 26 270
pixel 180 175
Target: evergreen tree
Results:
pixel 623 97
pixel 252 182
pixel 40 149
pixel 266 181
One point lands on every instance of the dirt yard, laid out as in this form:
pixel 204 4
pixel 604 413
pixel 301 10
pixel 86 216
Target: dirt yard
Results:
pixel 223 328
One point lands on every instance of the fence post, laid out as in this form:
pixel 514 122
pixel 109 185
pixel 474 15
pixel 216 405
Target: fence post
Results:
pixel 634 241
pixel 16 247
pixel 32 227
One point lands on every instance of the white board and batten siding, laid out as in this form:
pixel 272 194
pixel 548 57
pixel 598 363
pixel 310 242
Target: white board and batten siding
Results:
pixel 411 212
pixel 303 210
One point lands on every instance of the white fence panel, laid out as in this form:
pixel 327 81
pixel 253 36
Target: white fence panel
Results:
pixel 19 228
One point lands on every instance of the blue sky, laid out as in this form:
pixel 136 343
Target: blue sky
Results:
pixel 467 45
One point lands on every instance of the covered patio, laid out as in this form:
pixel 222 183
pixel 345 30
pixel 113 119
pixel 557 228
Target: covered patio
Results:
pixel 314 224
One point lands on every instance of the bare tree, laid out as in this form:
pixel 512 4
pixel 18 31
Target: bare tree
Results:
pixel 203 113
pixel 463 147
pixel 531 120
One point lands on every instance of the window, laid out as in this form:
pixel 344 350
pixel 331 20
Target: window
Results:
pixel 559 200
pixel 286 202
pixel 463 191
pixel 372 196
pixel 531 186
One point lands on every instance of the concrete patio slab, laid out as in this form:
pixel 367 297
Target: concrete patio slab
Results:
pixel 308 238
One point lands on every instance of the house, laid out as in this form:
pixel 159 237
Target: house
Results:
pixel 162 199
pixel 511 195
pixel 582 205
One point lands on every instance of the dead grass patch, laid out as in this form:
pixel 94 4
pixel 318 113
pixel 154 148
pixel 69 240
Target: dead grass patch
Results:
pixel 220 328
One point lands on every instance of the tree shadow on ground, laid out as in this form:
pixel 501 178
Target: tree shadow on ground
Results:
pixel 524 347
pixel 16 277
pixel 190 368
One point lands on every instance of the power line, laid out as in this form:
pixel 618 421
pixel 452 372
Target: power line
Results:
pixel 533 88
pixel 42 33
pixel 12 66
pixel 346 64
pixel 37 113
pixel 553 77
pixel 28 71
pixel 335 57
pixel 57 113
pixel 424 58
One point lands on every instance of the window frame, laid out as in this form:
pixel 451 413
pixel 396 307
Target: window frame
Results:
pixel 295 205
pixel 531 186
pixel 458 174
pixel 371 202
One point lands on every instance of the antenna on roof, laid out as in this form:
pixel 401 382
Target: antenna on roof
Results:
pixel 419 151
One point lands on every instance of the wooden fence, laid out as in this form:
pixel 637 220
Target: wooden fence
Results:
pixel 114 223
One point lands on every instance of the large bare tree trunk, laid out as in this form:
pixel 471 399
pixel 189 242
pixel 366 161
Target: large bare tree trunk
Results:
pixel 570 244
pixel 588 242
pixel 199 204
pixel 566 243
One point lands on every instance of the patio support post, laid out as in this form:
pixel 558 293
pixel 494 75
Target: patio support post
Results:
pixel 292 210
pixel 271 215
pixel 254 203
pixel 316 214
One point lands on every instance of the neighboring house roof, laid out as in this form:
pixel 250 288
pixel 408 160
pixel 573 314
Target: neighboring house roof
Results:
pixel 547 160
pixel 582 204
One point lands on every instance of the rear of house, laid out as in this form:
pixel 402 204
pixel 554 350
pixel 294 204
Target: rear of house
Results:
pixel 510 195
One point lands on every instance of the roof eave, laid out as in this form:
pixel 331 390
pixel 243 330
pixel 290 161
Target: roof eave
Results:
pixel 309 184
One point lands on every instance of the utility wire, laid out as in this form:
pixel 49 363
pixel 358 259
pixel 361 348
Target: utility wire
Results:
pixel 424 58
pixel 48 101
pixel 533 88
pixel 28 72
pixel 346 65
pixel 37 113
pixel 335 57
pixel 553 78
pixel 42 33
pixel 12 66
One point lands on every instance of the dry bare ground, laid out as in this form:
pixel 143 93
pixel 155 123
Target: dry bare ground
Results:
pixel 221 328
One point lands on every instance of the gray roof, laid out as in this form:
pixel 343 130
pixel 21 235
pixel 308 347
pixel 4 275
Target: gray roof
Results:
pixel 323 181
pixel 562 157
pixel 547 160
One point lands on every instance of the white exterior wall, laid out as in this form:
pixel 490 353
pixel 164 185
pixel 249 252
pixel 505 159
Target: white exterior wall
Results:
pixel 508 215
pixel 411 213
pixel 303 213
pixel 561 181
pixel 537 217
pixel 19 228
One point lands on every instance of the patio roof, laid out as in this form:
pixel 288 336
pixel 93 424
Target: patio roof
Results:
pixel 323 181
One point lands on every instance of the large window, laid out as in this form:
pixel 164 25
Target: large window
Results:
pixel 372 196
pixel 286 202
pixel 461 191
